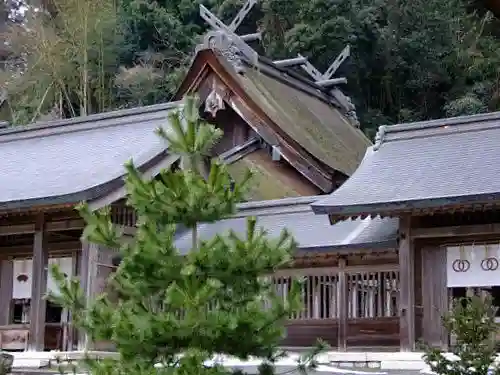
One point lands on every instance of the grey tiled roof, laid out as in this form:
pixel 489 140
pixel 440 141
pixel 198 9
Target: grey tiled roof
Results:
pixel 77 159
pixel 423 165
pixel 312 232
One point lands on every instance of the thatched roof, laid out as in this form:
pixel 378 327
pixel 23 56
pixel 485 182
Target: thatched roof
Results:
pixel 316 125
pixel 297 109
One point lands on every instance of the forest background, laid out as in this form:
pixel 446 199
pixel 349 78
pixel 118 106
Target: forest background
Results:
pixel 410 59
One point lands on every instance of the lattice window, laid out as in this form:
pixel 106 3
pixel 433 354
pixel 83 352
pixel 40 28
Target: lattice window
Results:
pixel 320 293
pixel 373 294
pixel 123 215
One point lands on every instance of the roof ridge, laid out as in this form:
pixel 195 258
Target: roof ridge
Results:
pixel 436 123
pixel 262 212
pixel 290 201
pixel 295 80
pixel 295 75
pixel 379 137
pixel 452 124
pixel 275 207
pixel 286 74
pixel 54 124
pixel 300 82
pixel 49 131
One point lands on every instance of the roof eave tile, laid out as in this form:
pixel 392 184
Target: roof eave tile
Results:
pixel 401 207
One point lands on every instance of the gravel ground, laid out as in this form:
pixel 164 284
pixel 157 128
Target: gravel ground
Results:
pixel 253 370
pixel 337 371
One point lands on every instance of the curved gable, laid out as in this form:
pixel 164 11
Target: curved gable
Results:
pixel 291 107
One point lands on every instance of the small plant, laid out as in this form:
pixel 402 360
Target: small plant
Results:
pixel 6 361
pixel 472 322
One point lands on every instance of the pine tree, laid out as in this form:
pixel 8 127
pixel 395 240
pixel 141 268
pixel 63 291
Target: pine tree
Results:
pixel 214 300
pixel 472 322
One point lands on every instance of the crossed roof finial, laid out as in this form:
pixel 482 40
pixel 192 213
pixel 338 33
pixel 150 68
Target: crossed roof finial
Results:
pixel 240 40
pixel 321 79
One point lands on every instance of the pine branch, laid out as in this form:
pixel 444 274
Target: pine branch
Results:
pixel 183 309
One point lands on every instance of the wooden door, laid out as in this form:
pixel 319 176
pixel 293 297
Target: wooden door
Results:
pixel 434 295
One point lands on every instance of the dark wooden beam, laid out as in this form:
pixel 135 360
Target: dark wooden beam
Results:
pixel 241 150
pixel 406 285
pixel 455 231
pixel 17 229
pixel 56 247
pixel 55 226
pixel 38 287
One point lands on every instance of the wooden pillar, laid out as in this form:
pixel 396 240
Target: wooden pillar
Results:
pixel 406 285
pixel 6 278
pixel 83 269
pixel 70 339
pixel 38 287
pixel 83 274
pixel 343 306
pixel 89 282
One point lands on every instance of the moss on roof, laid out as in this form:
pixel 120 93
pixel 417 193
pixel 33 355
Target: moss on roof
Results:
pixel 318 127
pixel 267 183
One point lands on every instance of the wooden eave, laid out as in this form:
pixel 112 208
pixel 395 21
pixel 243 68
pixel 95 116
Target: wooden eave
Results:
pixel 408 210
pixel 342 250
pixel 30 211
pixel 330 258
pixel 200 80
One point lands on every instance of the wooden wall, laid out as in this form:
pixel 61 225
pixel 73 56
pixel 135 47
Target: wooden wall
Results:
pixel 304 333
